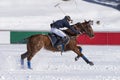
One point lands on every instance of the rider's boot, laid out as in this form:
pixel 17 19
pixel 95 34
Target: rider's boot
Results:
pixel 65 40
pixel 61 45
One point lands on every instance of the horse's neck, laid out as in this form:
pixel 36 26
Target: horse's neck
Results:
pixel 69 32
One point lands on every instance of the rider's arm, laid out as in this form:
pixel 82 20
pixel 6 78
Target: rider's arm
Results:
pixel 72 29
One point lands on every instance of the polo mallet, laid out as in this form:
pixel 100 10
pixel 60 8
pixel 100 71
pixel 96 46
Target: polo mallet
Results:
pixel 57 5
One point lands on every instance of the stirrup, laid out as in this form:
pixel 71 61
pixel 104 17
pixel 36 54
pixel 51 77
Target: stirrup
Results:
pixel 62 48
pixel 65 39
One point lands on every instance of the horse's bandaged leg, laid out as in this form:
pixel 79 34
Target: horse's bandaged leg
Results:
pixel 86 60
pixel 80 49
pixel 22 63
pixel 29 64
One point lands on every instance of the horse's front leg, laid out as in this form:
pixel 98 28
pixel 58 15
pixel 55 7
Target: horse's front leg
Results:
pixel 78 50
pixel 87 61
pixel 77 57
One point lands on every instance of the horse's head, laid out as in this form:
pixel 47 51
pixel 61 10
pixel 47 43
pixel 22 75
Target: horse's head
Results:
pixel 85 27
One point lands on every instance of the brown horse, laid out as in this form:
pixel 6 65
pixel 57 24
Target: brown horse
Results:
pixel 36 42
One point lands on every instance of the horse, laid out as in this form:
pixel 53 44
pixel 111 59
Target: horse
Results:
pixel 38 41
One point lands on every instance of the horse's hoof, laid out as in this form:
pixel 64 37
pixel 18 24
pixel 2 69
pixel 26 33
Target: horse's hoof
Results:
pixel 22 66
pixel 76 59
pixel 22 62
pixel 91 63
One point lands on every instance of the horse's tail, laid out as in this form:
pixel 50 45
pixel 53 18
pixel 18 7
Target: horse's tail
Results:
pixel 25 40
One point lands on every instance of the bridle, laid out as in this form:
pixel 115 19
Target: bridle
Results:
pixel 81 28
pixel 84 26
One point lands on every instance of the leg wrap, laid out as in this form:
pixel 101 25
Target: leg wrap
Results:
pixel 80 49
pixel 86 60
pixel 29 64
pixel 22 62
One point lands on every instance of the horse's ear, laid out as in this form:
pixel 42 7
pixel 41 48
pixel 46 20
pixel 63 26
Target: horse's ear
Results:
pixel 90 22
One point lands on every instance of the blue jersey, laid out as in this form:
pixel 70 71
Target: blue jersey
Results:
pixel 63 23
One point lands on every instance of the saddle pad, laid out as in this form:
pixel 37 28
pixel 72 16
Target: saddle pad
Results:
pixel 53 38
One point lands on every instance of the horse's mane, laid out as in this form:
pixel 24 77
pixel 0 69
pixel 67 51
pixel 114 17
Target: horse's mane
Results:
pixel 81 27
pixel 70 32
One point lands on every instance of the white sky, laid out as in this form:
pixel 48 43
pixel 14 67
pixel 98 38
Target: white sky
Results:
pixel 38 14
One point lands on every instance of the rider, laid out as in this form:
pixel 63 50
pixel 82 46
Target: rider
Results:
pixel 55 27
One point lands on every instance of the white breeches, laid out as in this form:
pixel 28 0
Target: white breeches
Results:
pixel 58 32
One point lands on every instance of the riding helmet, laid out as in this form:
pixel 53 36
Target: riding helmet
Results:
pixel 68 18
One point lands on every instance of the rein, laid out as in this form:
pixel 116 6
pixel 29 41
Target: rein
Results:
pixel 85 38
pixel 82 28
pixel 83 31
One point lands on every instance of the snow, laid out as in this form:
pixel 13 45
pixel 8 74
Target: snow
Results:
pixel 37 15
pixel 49 65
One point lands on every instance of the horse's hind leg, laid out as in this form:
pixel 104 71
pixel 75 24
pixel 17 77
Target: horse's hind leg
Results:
pixel 33 51
pixel 29 59
pixel 34 44
pixel 23 56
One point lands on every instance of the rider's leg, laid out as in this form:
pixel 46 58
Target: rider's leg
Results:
pixel 61 34
pixel 58 32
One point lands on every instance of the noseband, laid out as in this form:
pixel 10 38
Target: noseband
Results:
pixel 82 27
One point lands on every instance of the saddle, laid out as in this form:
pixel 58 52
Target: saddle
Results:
pixel 58 41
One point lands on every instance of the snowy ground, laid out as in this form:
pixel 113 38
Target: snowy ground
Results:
pixel 52 66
